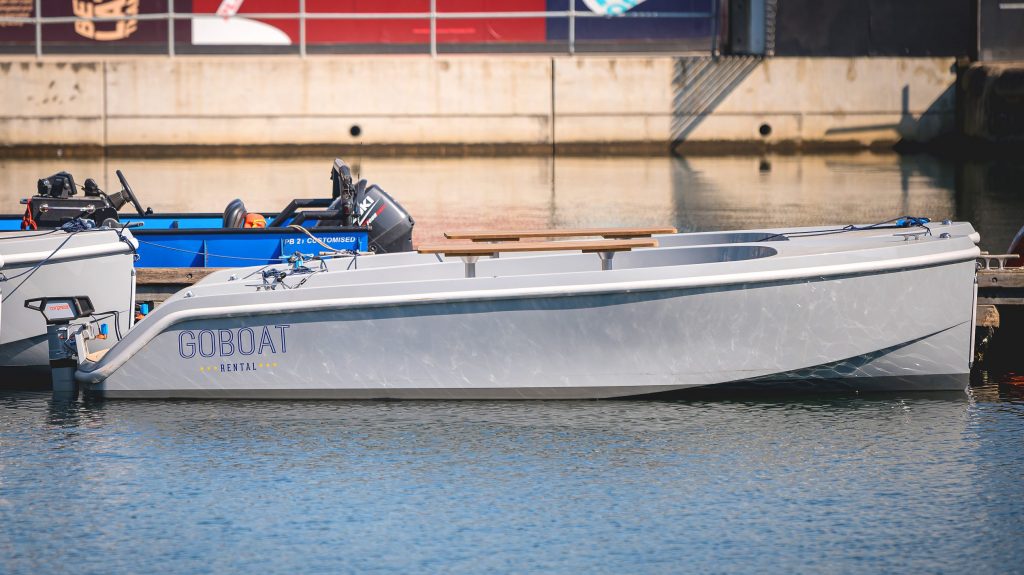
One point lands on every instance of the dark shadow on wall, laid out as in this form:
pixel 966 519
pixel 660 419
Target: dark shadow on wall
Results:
pixel 700 84
pixel 936 121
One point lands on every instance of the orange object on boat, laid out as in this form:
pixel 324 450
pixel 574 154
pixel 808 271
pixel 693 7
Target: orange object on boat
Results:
pixel 255 221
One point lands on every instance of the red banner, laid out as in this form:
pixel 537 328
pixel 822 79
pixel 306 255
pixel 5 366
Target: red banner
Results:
pixel 241 30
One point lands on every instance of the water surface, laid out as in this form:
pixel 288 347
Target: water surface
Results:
pixel 905 483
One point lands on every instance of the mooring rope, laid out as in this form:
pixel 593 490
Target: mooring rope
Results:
pixel 898 223
pixel 312 237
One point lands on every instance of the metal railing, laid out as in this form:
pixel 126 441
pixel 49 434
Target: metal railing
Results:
pixel 570 14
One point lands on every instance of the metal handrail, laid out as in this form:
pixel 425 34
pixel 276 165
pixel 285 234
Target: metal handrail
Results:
pixel 302 16
pixel 355 16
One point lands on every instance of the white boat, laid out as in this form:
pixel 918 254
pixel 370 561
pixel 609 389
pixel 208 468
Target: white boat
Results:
pixel 97 262
pixel 856 309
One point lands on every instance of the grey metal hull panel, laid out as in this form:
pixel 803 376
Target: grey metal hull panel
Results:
pixel 576 346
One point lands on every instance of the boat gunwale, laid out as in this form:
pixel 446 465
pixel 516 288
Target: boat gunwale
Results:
pixel 247 231
pixel 62 253
pixel 189 215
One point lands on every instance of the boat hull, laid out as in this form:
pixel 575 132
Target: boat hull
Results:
pixel 199 241
pixel 907 329
pixel 223 248
pixel 94 263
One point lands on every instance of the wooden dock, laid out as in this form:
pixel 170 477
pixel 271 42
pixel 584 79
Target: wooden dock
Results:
pixel 1001 286
pixel 1000 293
pixel 154 285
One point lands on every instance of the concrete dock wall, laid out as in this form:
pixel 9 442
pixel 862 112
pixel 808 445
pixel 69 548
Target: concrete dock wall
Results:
pixel 523 102
pixel 993 103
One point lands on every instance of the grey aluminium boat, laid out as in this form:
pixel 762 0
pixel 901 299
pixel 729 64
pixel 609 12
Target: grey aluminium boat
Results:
pixel 96 262
pixel 864 310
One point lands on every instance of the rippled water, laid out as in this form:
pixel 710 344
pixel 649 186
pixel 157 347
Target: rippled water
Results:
pixel 912 483
pixel 905 483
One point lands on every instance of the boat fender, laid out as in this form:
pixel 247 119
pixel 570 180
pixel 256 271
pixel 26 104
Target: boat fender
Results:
pixel 254 221
pixel 1017 247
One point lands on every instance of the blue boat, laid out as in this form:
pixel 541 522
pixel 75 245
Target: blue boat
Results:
pixel 357 217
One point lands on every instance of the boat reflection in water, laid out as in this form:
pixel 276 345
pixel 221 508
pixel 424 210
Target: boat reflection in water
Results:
pixel 698 193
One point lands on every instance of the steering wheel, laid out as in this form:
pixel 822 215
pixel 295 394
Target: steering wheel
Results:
pixel 131 195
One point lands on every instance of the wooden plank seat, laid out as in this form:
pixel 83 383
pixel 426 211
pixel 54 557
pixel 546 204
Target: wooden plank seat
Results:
pixel 471 252
pixel 516 235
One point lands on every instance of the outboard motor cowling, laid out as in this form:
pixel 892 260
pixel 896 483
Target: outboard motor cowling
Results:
pixel 390 225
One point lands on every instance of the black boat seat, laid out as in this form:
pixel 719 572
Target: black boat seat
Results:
pixel 234 214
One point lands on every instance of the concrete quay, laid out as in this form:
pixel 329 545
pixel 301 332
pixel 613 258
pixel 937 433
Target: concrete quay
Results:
pixel 992 95
pixel 457 105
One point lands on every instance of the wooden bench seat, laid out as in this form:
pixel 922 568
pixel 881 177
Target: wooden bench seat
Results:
pixel 516 235
pixel 471 252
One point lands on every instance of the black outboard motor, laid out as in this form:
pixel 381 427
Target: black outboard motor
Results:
pixel 363 205
pixel 57 202
pixel 390 225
